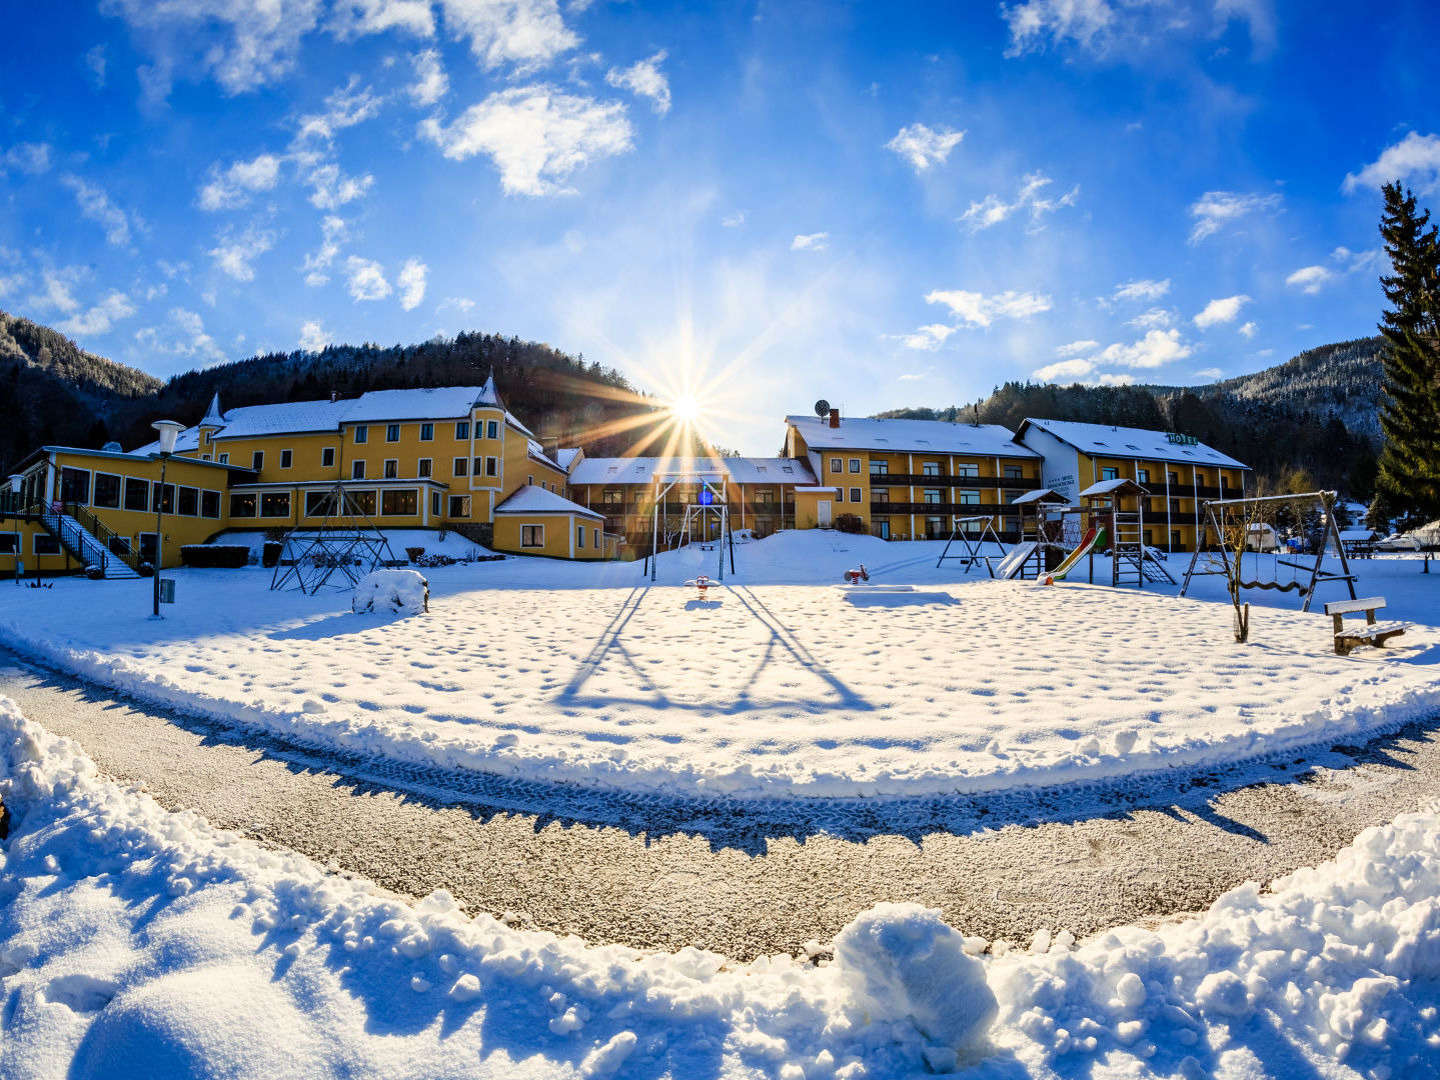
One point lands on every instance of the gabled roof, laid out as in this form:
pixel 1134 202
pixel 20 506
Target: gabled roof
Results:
pixel 426 403
pixel 909 436
pixel 1102 440
pixel 534 499
pixel 740 470
pixel 214 416
pixel 1045 495
pixel 1123 485
pixel 565 456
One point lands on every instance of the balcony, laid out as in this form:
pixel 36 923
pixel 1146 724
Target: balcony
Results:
pixel 920 480
pixel 935 509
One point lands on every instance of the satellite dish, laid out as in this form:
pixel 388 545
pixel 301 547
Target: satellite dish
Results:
pixel 112 448
pixel 822 408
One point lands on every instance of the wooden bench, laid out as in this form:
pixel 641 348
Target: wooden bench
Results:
pixel 1374 633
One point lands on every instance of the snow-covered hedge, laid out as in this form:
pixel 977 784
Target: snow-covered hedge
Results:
pixel 392 591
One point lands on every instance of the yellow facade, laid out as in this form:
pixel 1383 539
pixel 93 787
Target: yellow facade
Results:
pixel 1178 491
pixel 558 536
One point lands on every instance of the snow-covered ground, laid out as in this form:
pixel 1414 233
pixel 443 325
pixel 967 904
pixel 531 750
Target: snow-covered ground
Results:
pixel 139 943
pixel 926 681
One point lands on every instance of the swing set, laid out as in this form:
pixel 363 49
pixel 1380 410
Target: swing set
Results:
pixel 972 544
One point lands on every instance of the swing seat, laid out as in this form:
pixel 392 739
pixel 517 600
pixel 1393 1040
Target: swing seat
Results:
pixel 1282 586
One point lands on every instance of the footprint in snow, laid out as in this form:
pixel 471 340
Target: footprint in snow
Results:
pixel 80 992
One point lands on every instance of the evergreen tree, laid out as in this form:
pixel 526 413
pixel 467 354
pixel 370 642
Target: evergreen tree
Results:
pixel 1409 472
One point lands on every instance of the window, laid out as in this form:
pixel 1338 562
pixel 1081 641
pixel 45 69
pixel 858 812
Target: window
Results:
pixel 166 499
pixel 595 533
pixel 319 503
pixel 357 470
pixel 882 529
pixel 275 504
pixel 427 432
pixel 210 504
pixel 287 458
pixel 879 468
pixel 224 459
pixel 836 465
pixel 1143 475
pixel 107 491
pixel 74 485
pixel 204 457
pixel 189 502
pixel 257 460
pixel 612 497
pixel 492 466
pixel 930 468
pixel 327 458
pixel 879 495
pixel 204 438
pixel 45 544
pixel 392 432
pixel 1014 472
pixel 967 469
pixel 934 528
pixel 492 430
pixel 933 495
pixel 530 480
pixel 459 506
pixel 242 504
pixel 362 433
pixel 839 495
pixel 532 536
pixel 855 495
pixel 361 502
pixel 392 469
pixel 137 494
pixel 763 497
pixel 579 536
pixel 476 466
pixel 855 464
pixel 462 431
pixel 435 504
pixel 400 502
pixel 9 543
pixel 968 498
pixel 423 467
pixel 460 466
pixel 1109 473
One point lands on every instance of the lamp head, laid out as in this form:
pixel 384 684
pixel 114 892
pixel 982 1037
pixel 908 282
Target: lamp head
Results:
pixel 168 430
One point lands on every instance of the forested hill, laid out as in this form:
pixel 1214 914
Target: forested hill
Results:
pixel 58 393
pixel 1294 439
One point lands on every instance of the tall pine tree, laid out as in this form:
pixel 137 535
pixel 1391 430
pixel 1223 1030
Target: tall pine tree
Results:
pixel 1409 473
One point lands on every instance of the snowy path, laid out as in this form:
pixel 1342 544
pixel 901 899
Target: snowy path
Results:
pixel 733 878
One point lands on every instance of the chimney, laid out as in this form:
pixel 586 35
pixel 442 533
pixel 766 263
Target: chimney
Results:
pixel 834 417
pixel 334 395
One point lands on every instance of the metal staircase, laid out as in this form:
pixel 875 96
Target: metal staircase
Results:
pixel 85 537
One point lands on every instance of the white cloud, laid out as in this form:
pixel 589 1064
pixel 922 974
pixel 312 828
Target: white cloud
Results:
pixel 331 189
pixel 95 63
pixel 113 307
pixel 1143 289
pixel 1156 349
pixel 27 157
pixel 977 309
pixel 333 234
pixel 992 210
pixel 194 340
pixel 923 146
pixel 810 242
pixel 1209 373
pixel 366 279
pixel 644 79
pixel 1354 261
pixel 459 303
pixel 242 44
pixel 345 107
pixel 1077 348
pixel 234 253
pixel 1310 279
pixel 1152 319
pixel 233 187
pixel 1105 26
pixel 927 338
pixel 528 33
pixel 1219 311
pixel 733 221
pixel 1110 378
pixel 913 376
pixel 1248 330
pixel 355 18
pixel 1087 23
pixel 1064 369
pixel 313 336
pixel 10 284
pixel 431 83
pixel 1415 160
pixel 411 280
pixel 59 294
pixel 96 205
pixel 1216 209
pixel 536 136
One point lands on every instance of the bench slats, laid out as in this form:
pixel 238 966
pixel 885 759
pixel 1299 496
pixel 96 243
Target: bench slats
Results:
pixel 1359 632
pixel 1346 607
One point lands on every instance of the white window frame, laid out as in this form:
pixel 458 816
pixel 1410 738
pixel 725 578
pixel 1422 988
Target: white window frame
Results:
pixel 580 536
pixel 460 466
pixel 430 437
pixel 357 469
pixel 327 457
pixel 224 459
pixel 392 433
pixel 424 467
pixel 257 460
pixel 524 529
pixel 391 469
pixel 120 500
pixel 287 458
pixel 40 534
pixel 17 550
pixel 362 433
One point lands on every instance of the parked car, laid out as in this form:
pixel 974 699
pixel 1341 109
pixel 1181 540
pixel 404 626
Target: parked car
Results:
pixel 1398 542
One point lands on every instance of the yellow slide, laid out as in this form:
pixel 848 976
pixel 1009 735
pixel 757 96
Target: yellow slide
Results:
pixel 1092 537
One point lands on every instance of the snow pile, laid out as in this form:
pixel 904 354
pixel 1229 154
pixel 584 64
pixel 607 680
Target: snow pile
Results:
pixel 136 942
pixel 396 592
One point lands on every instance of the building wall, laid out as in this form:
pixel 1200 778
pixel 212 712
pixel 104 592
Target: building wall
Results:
pixel 558 536
pixel 629 507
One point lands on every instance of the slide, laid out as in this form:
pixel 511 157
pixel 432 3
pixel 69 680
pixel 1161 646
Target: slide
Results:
pixel 1010 565
pixel 1092 537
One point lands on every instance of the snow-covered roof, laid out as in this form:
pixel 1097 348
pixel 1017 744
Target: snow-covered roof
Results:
pixel 1106 487
pixel 565 456
pixel 909 436
pixel 1124 442
pixel 1039 495
pixel 533 499
pixel 740 470
pixel 538 453
pixel 424 403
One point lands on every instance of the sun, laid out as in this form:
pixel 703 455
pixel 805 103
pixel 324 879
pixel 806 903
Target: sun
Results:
pixel 685 409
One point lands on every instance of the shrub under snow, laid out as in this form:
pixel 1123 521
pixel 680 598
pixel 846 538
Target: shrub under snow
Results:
pixel 402 592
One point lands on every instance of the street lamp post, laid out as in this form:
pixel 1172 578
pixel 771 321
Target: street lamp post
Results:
pixel 168 429
pixel 15 481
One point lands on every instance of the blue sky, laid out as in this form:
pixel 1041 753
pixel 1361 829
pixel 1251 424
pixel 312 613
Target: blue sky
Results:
pixel 769 203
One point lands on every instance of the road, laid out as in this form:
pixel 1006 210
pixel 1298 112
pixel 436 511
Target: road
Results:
pixel 747 879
